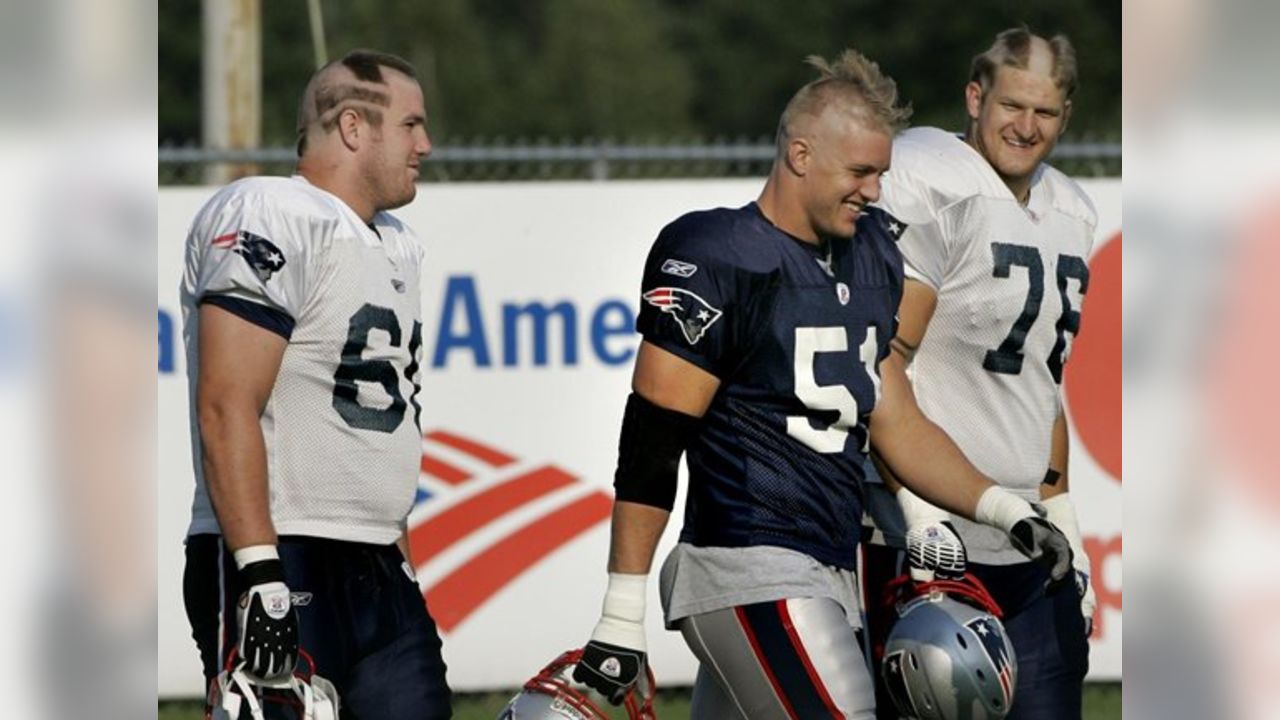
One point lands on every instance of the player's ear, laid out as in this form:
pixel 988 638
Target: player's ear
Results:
pixel 350 128
pixel 973 99
pixel 799 155
pixel 1066 117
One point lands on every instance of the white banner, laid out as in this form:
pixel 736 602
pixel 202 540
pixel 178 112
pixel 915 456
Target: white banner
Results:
pixel 529 296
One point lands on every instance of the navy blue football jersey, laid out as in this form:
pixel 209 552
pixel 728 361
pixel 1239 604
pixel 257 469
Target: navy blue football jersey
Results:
pixel 795 333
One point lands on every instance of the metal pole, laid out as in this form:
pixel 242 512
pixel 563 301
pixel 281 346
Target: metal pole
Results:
pixel 232 82
pixel 317 33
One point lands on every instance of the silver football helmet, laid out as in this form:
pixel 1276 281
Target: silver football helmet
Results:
pixel 948 656
pixel 236 695
pixel 552 695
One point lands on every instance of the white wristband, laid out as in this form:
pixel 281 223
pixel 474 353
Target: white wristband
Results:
pixel 1062 513
pixel 917 512
pixel 625 596
pixel 622 618
pixel 255 553
pixel 1002 509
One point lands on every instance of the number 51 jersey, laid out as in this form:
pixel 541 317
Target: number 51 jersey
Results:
pixel 341 424
pixel 795 336
pixel 1009 281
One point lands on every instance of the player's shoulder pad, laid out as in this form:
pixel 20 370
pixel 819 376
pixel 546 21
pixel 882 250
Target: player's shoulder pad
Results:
pixel 270 207
pixel 936 168
pixel 718 238
pixel 286 195
pixel 1066 196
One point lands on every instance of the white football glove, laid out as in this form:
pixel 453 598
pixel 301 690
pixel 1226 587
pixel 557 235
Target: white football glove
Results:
pixel 1062 512
pixel 934 548
pixel 614 660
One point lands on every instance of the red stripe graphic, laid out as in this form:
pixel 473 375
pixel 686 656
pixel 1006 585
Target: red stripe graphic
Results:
pixel 442 470
pixel 764 662
pixel 225 240
pixel 464 590
pixel 804 659
pixel 433 535
pixel 483 453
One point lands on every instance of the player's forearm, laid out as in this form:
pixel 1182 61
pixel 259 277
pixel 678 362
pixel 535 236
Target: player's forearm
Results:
pixel 1055 479
pixel 635 532
pixel 235 472
pixel 927 461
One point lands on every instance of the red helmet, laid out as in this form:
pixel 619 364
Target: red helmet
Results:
pixel 235 694
pixel 551 695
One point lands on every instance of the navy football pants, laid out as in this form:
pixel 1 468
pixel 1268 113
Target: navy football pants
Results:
pixel 1047 632
pixel 365 622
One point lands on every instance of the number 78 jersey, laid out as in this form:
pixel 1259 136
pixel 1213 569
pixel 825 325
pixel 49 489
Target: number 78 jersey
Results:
pixel 1009 281
pixel 341 424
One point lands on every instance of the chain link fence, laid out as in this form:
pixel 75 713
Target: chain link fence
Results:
pixel 520 159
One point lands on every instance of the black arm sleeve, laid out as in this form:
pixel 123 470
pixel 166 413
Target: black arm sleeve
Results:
pixel 653 439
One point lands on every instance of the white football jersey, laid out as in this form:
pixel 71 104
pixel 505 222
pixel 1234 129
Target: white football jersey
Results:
pixel 1009 281
pixel 341 425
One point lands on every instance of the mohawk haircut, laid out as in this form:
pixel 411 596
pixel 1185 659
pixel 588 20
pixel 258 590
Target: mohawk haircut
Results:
pixel 853 81
pixel 350 82
pixel 1012 48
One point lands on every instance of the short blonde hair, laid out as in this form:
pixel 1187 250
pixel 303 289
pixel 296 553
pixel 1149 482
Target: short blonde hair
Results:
pixel 1012 48
pixel 853 80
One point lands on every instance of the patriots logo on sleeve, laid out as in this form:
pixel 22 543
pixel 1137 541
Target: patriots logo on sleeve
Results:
pixel 691 312
pixel 261 254
pixel 992 636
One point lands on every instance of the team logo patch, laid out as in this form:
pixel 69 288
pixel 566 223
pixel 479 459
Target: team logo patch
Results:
pixel 300 599
pixel 895 680
pixel 261 254
pixel 679 268
pixel 842 293
pixel 691 312
pixel 992 636
pixel 611 667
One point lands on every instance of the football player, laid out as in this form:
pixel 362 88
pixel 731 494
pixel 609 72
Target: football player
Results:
pixel 763 330
pixel 995 245
pixel 302 323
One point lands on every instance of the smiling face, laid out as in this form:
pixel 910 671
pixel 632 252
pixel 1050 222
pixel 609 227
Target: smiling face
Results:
pixel 391 164
pixel 844 163
pixel 1016 122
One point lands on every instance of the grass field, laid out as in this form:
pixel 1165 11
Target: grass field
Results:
pixel 1101 702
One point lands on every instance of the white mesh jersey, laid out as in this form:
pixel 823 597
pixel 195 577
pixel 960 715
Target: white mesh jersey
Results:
pixel 1009 281
pixel 341 425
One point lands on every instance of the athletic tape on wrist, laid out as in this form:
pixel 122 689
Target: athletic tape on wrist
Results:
pixel 916 511
pixel 255 553
pixel 622 616
pixel 1002 509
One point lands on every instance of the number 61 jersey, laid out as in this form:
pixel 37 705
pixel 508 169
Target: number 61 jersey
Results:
pixel 341 424
pixel 1009 281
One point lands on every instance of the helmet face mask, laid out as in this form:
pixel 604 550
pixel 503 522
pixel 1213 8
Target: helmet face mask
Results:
pixel 550 695
pixel 235 695
pixel 946 659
